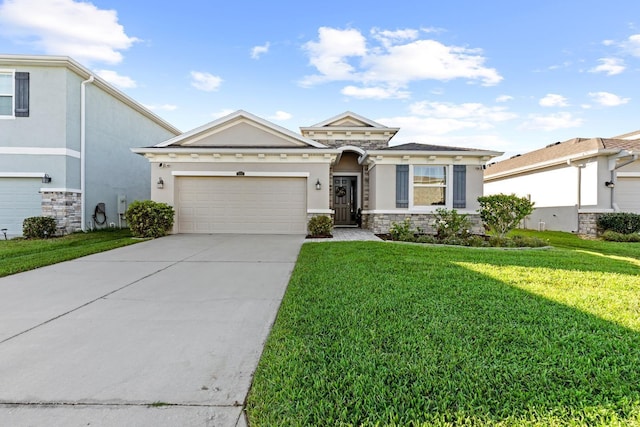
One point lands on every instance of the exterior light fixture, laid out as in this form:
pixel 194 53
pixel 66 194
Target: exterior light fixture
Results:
pixel 160 184
pixel 318 185
pixel 46 179
pixel 609 184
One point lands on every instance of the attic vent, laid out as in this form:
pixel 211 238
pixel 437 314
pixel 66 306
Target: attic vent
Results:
pixel 517 155
pixel 555 143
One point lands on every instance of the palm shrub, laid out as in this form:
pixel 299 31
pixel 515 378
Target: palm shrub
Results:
pixel 501 213
pixel 147 218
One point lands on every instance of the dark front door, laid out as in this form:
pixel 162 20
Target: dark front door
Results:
pixel 344 199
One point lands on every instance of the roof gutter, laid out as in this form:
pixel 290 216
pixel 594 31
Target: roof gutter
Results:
pixel 83 141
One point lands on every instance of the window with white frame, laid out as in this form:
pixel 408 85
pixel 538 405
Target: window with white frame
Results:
pixel 429 185
pixel 6 93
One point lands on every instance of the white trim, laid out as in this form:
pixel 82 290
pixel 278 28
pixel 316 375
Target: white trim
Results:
pixel 628 174
pixel 12 94
pixel 320 211
pixel 595 210
pixel 60 190
pixel 34 151
pixel 22 174
pixel 246 173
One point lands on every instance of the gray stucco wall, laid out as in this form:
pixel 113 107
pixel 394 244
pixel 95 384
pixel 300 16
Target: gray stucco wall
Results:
pixel 112 129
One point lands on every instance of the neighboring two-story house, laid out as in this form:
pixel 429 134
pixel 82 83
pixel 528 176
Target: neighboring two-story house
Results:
pixel 65 139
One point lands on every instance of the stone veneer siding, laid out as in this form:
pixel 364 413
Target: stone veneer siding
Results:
pixel 381 223
pixel 587 223
pixel 365 144
pixel 65 208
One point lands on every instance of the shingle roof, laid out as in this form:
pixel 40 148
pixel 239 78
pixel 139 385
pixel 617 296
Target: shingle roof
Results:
pixel 561 150
pixel 415 146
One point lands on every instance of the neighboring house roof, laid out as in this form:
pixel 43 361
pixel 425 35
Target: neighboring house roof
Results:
pixel 561 152
pixel 630 135
pixel 203 136
pixel 65 61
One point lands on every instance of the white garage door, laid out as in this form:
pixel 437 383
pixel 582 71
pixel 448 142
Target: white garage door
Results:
pixel 628 194
pixel 19 199
pixel 255 205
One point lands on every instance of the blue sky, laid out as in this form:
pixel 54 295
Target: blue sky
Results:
pixel 510 76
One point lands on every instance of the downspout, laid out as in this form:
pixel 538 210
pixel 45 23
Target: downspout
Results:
pixel 613 179
pixel 83 114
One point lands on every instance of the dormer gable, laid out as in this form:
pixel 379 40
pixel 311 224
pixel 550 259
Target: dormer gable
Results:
pixel 350 128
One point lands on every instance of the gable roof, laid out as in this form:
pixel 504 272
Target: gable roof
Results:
pixel 204 136
pixel 70 64
pixel 560 152
pixel 348 119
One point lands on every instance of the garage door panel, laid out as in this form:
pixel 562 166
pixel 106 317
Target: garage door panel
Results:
pixel 628 194
pixel 20 198
pixel 242 205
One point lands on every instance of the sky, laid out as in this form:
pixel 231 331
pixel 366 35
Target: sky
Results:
pixel 505 75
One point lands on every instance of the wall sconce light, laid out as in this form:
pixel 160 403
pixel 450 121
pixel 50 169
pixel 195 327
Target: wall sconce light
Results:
pixel 160 184
pixel 46 179
pixel 609 184
pixel 318 185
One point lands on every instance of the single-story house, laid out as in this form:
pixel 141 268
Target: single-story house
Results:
pixel 244 174
pixel 65 139
pixel 572 182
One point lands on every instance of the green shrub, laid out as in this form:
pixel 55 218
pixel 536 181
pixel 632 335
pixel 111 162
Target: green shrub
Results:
pixel 426 238
pixel 476 241
pixel 613 236
pixel 38 227
pixel 502 213
pixel 403 231
pixel 620 222
pixel 147 218
pixel 450 223
pixel 320 226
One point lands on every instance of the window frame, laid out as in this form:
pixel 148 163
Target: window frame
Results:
pixel 12 94
pixel 448 188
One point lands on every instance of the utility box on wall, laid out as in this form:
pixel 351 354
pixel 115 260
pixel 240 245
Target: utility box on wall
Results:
pixel 122 204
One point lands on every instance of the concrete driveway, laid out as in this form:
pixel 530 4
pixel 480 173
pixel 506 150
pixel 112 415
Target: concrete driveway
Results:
pixel 178 322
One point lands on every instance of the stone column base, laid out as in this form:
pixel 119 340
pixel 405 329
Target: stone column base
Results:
pixel 65 208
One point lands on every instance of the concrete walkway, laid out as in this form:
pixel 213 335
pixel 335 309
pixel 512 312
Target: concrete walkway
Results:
pixel 179 322
pixel 349 234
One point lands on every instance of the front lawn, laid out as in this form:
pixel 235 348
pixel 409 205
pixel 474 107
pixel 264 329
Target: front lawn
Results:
pixel 19 255
pixel 393 334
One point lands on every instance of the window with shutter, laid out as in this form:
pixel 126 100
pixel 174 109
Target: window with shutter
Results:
pixel 402 186
pixel 459 186
pixel 6 93
pixel 22 94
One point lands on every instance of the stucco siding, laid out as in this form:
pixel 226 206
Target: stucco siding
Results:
pixel 112 129
pixel 474 187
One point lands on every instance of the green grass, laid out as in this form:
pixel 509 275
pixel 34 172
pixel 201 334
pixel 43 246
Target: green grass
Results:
pixel 403 335
pixel 19 255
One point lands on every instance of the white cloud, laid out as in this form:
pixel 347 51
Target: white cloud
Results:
pixel 607 99
pixel 551 122
pixel 610 66
pixel 374 92
pixel 281 116
pixel 66 27
pixel 163 107
pixel 504 98
pixel 343 55
pixel 553 100
pixel 632 45
pixel 205 81
pixel 258 51
pixel 116 79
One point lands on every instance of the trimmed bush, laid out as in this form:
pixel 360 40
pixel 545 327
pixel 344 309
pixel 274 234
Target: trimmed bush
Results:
pixel 613 236
pixel 403 231
pixel 449 223
pixel 320 225
pixel 38 227
pixel 147 218
pixel 502 213
pixel 619 222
